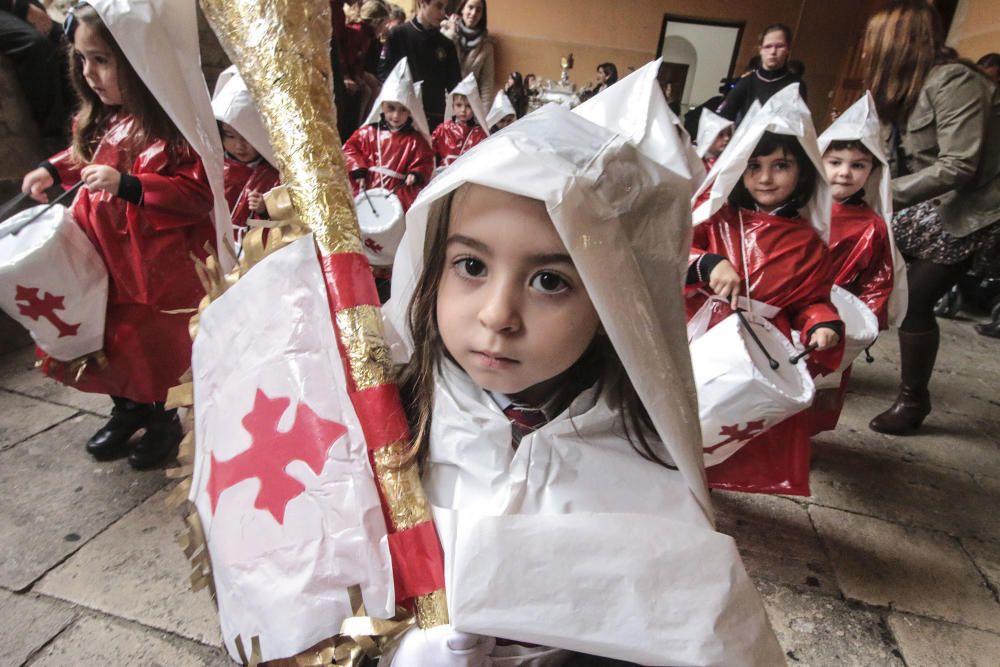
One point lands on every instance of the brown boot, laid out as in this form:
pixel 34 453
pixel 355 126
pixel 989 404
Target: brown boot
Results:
pixel 917 352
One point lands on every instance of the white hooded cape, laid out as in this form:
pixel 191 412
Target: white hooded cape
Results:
pixel 710 126
pixel 233 105
pixel 400 87
pixel 557 543
pixel 160 40
pixel 784 113
pixel 635 108
pixel 470 89
pixel 861 123
pixel 501 108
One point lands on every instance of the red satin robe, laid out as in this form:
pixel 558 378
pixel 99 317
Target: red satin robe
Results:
pixel 453 137
pixel 240 178
pixel 789 268
pixel 404 151
pixel 862 261
pixel 147 250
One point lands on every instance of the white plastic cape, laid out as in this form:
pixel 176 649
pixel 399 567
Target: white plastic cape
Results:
pixel 501 108
pixel 53 282
pixel 784 113
pixel 233 105
pixel 399 87
pixel 281 476
pixel 470 89
pixel 710 126
pixel 861 123
pixel 160 40
pixel 635 108
pixel 537 529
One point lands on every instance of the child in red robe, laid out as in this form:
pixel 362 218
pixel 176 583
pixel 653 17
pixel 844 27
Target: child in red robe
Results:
pixel 764 244
pixel 393 149
pixel 148 209
pixel 466 125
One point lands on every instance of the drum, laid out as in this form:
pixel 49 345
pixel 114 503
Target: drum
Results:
pixel 380 217
pixel 53 281
pixel 739 395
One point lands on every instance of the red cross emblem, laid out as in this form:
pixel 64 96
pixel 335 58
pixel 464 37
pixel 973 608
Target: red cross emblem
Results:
pixel 35 307
pixel 270 452
pixel 372 245
pixel 736 434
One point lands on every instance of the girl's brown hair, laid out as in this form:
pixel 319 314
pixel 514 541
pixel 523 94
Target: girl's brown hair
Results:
pixel 901 45
pixel 598 367
pixel 92 116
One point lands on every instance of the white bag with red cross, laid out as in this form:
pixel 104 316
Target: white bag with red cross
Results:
pixel 281 475
pixel 53 281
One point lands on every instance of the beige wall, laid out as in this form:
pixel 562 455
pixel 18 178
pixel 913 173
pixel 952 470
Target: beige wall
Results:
pixel 532 36
pixel 976 28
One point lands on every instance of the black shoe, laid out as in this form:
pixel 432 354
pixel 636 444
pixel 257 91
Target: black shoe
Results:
pixel 111 440
pixel 159 443
pixel 990 329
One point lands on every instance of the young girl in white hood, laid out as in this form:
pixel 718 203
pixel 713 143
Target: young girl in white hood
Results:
pixel 555 421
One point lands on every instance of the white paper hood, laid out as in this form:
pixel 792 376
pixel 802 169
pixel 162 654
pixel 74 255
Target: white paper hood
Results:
pixel 784 113
pixel 399 87
pixel 861 123
pixel 626 223
pixel 710 126
pixel 470 89
pixel 160 40
pixel 233 105
pixel 635 108
pixel 501 108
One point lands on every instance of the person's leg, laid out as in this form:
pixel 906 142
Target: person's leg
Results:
pixel 110 441
pixel 159 442
pixel 918 344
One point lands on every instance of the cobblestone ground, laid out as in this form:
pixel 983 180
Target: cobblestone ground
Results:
pixel 894 560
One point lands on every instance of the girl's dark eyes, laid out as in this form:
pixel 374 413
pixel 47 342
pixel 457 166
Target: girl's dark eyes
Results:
pixel 548 282
pixel 469 267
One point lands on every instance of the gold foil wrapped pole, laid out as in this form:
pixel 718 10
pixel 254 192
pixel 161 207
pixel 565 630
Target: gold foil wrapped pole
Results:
pixel 281 48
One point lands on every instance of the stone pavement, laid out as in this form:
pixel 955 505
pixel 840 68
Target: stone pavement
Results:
pixel 894 560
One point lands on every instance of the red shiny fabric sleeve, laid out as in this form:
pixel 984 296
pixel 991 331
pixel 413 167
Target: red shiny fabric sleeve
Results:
pixel 862 257
pixel 67 168
pixel 419 161
pixel 360 151
pixel 175 193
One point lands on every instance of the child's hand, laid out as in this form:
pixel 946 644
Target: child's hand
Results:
pixel 36 182
pixel 443 646
pixel 724 281
pixel 410 180
pixel 824 338
pixel 256 201
pixel 101 177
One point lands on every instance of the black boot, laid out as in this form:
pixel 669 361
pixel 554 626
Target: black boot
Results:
pixel 917 353
pixel 991 329
pixel 159 443
pixel 127 417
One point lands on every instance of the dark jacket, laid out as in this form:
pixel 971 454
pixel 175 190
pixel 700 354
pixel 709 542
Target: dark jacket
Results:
pixel 951 150
pixel 432 59
pixel 759 85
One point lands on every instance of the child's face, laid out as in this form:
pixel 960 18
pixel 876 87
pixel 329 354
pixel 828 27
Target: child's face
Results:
pixel 511 307
pixel 847 170
pixel 395 114
pixel 237 146
pixel 463 110
pixel 505 121
pixel 98 64
pixel 720 143
pixel 771 179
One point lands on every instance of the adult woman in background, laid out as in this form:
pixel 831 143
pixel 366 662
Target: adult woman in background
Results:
pixel 474 44
pixel 944 147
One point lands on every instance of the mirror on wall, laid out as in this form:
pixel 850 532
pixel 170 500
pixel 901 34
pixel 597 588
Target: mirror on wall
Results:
pixel 699 54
